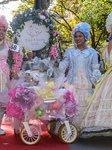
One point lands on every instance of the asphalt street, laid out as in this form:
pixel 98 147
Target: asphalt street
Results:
pixel 94 143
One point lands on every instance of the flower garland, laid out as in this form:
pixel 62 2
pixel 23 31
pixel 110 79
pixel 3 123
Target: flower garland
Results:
pixel 17 61
pixel 38 17
pixel 53 51
pixel 14 58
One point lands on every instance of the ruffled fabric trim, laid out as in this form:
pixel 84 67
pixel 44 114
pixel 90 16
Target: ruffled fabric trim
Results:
pixel 78 52
pixel 99 110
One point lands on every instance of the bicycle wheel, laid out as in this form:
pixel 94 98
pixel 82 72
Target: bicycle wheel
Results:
pixel 51 125
pixel 64 135
pixel 27 139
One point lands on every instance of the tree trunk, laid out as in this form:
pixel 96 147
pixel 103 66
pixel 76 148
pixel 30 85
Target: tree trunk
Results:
pixel 42 4
pixel 37 4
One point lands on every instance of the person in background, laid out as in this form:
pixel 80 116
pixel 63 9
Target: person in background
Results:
pixel 102 64
pixel 97 117
pixel 4 70
pixel 27 63
pixel 83 65
pixel 29 56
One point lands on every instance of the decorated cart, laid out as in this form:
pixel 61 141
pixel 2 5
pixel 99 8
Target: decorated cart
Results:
pixel 49 102
pixel 37 97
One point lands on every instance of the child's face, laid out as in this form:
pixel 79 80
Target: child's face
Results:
pixel 29 56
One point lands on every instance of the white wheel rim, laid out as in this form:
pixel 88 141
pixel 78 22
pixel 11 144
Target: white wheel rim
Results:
pixel 30 140
pixel 69 138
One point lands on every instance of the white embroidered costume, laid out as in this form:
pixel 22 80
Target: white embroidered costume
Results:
pixel 98 118
pixel 83 72
pixel 4 76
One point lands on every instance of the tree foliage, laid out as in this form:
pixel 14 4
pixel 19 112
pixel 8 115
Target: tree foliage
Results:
pixel 92 11
pixel 67 13
pixel 66 17
pixel 95 13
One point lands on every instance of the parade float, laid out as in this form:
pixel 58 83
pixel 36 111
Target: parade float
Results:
pixel 40 95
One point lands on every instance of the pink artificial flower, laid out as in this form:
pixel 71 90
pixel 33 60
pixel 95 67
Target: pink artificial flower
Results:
pixel 17 60
pixel 57 38
pixel 54 34
pixel 17 14
pixel 56 104
pixel 14 67
pixel 14 111
pixel 70 97
pixel 39 14
pixel 18 63
pixel 24 98
pixel 17 70
pixel 46 12
pixel 46 20
pixel 54 51
pixel 16 55
pixel 73 31
pixel 12 93
pixel 71 109
pixel 57 33
pixel 70 104
pixel 42 17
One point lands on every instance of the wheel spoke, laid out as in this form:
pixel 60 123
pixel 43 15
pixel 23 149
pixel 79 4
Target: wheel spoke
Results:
pixel 65 136
pixel 30 140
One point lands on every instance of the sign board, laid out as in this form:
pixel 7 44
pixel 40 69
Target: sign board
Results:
pixel 34 36
pixel 14 47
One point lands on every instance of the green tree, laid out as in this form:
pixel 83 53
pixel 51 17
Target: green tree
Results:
pixel 93 12
pixel 67 13
pixel 66 16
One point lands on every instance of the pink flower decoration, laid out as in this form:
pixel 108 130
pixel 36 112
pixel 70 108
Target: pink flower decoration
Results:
pixel 46 20
pixel 54 51
pixel 17 14
pixel 14 111
pixel 42 17
pixel 73 31
pixel 14 91
pixel 17 61
pixel 24 98
pixel 54 34
pixel 57 33
pixel 57 104
pixel 70 97
pixel 39 14
pixel 70 104
pixel 46 12
pixel 57 38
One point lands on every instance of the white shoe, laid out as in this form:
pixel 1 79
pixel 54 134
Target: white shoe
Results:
pixel 2 132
